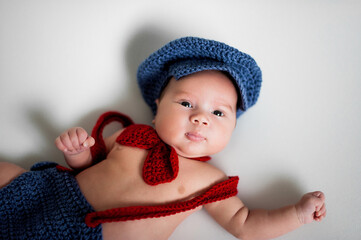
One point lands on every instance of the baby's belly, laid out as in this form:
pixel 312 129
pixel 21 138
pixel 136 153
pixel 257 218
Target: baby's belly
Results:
pixel 117 182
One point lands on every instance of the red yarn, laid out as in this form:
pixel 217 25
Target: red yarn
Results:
pixel 220 191
pixel 98 151
pixel 161 163
pixel 64 169
pixel 161 166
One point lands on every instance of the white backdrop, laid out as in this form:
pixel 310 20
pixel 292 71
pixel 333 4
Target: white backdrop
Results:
pixel 62 63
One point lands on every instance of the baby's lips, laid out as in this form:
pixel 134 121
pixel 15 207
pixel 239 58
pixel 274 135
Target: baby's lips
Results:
pixel 196 137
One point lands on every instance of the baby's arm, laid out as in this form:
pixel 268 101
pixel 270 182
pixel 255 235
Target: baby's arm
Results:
pixel 75 143
pixel 266 224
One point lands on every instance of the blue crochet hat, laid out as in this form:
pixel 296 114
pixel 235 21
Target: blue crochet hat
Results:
pixel 188 55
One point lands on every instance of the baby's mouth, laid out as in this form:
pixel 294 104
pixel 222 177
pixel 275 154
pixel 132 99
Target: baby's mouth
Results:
pixel 195 137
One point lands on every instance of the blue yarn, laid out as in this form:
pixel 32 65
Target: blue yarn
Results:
pixel 188 55
pixel 44 204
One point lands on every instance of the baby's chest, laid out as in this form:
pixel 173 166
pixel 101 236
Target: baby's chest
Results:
pixel 120 182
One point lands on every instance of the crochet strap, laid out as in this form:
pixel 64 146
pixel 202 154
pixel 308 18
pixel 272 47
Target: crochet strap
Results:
pixel 217 192
pixel 98 151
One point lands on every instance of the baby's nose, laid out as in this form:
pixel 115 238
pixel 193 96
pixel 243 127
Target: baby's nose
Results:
pixel 199 119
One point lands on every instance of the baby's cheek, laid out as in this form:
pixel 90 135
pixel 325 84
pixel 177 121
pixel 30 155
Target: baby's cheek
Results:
pixel 168 134
pixel 222 140
pixel 217 146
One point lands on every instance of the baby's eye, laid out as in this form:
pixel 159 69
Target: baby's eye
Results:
pixel 186 104
pixel 218 113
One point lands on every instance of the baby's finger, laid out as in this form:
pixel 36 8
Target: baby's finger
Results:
pixel 65 140
pixel 74 138
pixel 322 211
pixel 319 219
pixel 60 145
pixel 319 200
pixel 89 142
pixel 319 195
pixel 82 135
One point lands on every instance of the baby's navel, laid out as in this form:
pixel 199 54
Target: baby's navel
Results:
pixel 181 189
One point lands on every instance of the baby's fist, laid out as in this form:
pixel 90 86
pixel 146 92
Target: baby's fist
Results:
pixel 311 207
pixel 74 141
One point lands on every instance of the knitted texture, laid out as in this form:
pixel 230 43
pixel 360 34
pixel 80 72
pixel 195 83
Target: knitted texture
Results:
pixel 189 55
pixel 44 204
pixel 98 151
pixel 161 163
pixel 161 166
pixel 218 192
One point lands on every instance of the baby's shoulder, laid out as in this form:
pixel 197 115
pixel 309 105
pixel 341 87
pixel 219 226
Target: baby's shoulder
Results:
pixel 202 172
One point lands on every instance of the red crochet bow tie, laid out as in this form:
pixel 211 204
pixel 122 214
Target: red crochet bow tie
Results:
pixel 161 164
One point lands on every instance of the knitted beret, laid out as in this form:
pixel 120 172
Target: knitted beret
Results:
pixel 188 55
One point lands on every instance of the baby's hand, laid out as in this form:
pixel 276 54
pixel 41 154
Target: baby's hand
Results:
pixel 311 207
pixel 74 141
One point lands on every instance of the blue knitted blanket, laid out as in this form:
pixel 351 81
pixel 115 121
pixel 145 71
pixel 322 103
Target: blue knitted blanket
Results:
pixel 44 204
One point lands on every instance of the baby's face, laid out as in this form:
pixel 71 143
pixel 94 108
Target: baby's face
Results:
pixel 197 114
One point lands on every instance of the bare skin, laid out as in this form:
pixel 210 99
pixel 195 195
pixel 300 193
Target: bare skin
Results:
pixel 118 180
pixel 196 121
pixel 112 180
pixel 9 172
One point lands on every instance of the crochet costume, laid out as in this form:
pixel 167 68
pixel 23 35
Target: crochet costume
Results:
pixel 177 59
pixel 160 166
pixel 188 55
pixel 46 203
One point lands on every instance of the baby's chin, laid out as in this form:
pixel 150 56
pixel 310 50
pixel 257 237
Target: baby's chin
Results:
pixel 194 150
pixel 192 155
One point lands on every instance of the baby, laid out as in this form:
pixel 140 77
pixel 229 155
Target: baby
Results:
pixel 142 182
